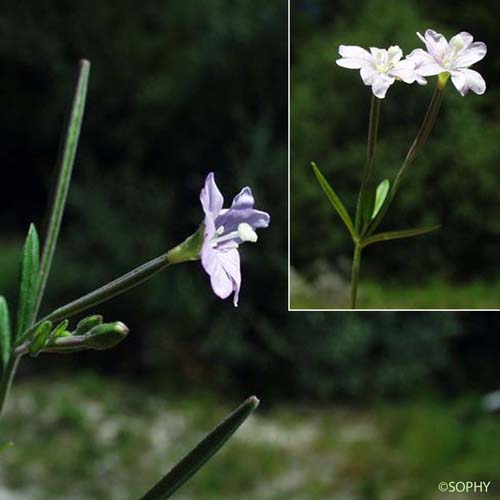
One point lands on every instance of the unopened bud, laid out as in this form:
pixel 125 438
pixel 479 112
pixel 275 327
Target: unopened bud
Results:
pixel 106 335
pixel 60 330
pixel 40 338
pixel 86 324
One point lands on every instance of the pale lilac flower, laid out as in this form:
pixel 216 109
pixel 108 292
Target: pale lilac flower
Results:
pixel 224 230
pixel 453 58
pixel 379 68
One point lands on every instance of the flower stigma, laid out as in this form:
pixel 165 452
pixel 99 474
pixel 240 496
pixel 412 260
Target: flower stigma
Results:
pixel 243 233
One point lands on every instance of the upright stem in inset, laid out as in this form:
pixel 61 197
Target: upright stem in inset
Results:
pixel 416 147
pixel 423 133
pixel 356 263
pixel 364 193
pixel 370 155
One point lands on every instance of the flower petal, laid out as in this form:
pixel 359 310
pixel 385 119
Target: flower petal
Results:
pixel 354 52
pixel 244 199
pixel 472 54
pixel 211 198
pixel 368 75
pixel 404 70
pixel 381 85
pixel 468 79
pixel 351 63
pixel 353 57
pixel 232 218
pixel 430 69
pixel 216 264
pixel 463 39
pixel 436 44
pixel 394 53
pixel 425 64
pixel 420 56
pixel 230 262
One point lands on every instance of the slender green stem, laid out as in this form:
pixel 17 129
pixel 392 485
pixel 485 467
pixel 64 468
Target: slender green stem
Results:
pixel 186 251
pixel 67 159
pixel 6 382
pixel 116 287
pixel 420 140
pixel 423 133
pixel 370 155
pixel 105 292
pixel 356 263
pixel 73 342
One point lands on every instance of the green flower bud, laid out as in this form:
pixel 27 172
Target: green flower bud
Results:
pixel 86 324
pixel 106 335
pixel 60 330
pixel 40 338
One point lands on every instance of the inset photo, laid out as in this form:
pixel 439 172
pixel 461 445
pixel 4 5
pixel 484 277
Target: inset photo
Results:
pixel 394 152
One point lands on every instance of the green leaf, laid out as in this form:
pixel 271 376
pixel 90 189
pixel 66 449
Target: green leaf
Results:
pixel 394 235
pixel 66 162
pixel 5 333
pixel 40 338
pixel 334 200
pixel 197 457
pixel 29 280
pixel 380 197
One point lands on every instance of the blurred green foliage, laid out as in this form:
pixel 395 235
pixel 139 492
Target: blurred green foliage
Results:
pixel 178 89
pixel 454 182
pixel 103 430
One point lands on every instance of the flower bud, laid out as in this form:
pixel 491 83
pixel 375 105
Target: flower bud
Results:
pixel 86 324
pixel 40 338
pixel 61 330
pixel 106 335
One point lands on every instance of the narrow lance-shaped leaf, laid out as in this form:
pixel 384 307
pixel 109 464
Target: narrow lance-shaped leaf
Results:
pixel 66 161
pixel 5 334
pixel 334 200
pixel 205 449
pixel 394 235
pixel 380 197
pixel 29 281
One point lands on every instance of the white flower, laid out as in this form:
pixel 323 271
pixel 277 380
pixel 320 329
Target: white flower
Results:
pixel 379 68
pixel 453 58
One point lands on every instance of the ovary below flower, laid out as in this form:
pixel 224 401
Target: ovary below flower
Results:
pixel 451 58
pixel 224 231
pixel 379 68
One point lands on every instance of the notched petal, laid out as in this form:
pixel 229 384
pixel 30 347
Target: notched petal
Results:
pixel 211 198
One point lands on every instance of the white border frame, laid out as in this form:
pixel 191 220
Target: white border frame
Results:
pixel 289 259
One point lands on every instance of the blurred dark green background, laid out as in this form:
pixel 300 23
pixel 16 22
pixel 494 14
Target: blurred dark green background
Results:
pixel 353 405
pixel 454 182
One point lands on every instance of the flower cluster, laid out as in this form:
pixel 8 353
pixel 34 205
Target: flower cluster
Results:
pixel 380 68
